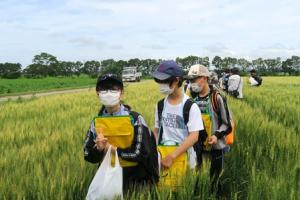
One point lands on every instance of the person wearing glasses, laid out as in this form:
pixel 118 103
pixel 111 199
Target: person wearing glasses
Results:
pixel 110 91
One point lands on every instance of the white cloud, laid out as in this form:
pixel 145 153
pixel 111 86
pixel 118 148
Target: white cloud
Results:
pixel 121 29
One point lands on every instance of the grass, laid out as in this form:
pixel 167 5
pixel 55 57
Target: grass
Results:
pixel 42 156
pixel 24 86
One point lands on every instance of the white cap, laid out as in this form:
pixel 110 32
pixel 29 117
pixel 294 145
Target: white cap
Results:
pixel 196 71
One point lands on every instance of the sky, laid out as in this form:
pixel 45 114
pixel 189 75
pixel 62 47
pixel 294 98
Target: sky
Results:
pixel 122 29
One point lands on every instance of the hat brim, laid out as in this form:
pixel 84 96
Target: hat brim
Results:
pixel 160 75
pixel 190 77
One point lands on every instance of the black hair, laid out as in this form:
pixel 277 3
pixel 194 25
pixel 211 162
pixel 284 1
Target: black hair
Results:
pixel 170 80
pixel 227 70
pixel 235 70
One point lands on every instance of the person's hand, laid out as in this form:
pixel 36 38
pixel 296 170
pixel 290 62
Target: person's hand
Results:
pixel 212 140
pixel 101 142
pixel 167 161
pixel 107 145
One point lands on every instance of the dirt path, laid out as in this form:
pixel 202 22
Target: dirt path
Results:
pixel 27 96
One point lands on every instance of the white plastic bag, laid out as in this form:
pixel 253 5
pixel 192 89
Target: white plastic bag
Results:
pixel 108 181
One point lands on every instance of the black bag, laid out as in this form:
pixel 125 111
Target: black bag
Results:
pixel 234 93
pixel 258 80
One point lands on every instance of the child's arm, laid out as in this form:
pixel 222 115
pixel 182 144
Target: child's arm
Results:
pixel 224 116
pixel 91 153
pixel 137 151
pixel 187 143
pixel 194 125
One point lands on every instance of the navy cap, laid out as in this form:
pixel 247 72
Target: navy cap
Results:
pixel 168 69
pixel 108 79
pixel 110 76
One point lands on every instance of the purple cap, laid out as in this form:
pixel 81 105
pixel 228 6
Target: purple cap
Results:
pixel 168 69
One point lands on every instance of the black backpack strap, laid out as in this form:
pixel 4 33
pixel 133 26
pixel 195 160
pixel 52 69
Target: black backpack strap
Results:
pixel 101 111
pixel 160 108
pixel 186 114
pixel 186 110
pixel 135 115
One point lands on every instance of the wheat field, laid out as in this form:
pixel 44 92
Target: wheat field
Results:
pixel 41 145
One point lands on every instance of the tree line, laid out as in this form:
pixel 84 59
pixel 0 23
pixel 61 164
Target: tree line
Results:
pixel 45 64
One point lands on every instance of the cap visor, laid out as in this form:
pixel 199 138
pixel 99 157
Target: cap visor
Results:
pixel 160 76
pixel 189 77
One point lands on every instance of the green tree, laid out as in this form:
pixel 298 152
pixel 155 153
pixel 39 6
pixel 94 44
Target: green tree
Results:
pixel 49 63
pixel 10 70
pixel 91 68
pixel 217 62
pixel 35 71
pixel 244 64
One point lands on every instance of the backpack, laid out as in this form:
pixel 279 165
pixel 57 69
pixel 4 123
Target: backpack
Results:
pixel 225 81
pixel 230 132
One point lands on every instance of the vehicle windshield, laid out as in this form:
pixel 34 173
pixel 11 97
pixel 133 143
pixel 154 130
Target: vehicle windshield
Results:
pixel 128 71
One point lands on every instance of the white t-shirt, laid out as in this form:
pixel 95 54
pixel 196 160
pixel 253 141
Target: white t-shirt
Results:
pixel 236 82
pixel 174 129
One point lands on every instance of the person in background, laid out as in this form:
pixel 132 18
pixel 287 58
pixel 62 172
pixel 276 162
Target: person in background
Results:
pixel 254 79
pixel 216 121
pixel 223 82
pixel 235 84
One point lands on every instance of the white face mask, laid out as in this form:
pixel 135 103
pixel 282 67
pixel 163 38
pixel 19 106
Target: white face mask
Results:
pixel 109 98
pixel 165 89
pixel 196 88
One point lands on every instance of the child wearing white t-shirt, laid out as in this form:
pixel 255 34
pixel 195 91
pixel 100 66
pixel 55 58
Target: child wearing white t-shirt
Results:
pixel 170 125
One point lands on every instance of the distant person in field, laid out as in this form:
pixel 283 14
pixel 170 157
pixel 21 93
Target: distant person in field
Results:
pixel 216 118
pixel 213 79
pixel 223 81
pixel 177 119
pixel 186 85
pixel 254 79
pixel 110 91
pixel 235 84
